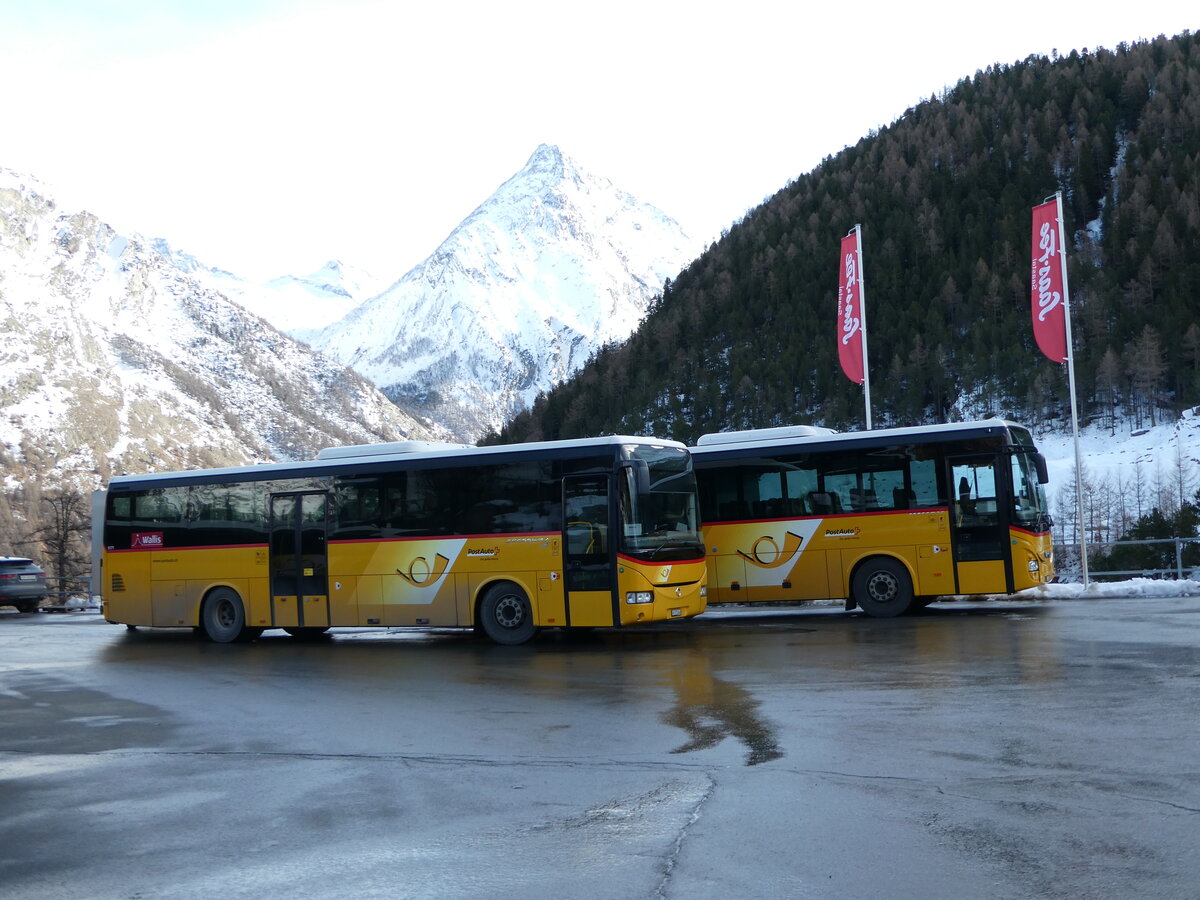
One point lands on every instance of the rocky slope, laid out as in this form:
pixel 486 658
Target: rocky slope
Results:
pixel 115 359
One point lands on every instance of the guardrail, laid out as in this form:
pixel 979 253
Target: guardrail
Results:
pixel 1179 558
pixel 68 593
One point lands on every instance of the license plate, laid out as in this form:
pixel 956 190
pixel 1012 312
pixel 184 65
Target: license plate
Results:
pixel 27 578
pixel 676 612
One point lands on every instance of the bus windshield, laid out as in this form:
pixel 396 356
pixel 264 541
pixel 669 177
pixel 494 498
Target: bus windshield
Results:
pixel 660 519
pixel 1029 496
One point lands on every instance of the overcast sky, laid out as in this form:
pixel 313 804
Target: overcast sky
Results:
pixel 268 136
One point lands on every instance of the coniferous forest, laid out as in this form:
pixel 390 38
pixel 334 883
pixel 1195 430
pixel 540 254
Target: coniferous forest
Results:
pixel 744 337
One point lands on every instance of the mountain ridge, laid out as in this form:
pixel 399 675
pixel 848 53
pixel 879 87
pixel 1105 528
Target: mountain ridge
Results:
pixel 117 360
pixel 554 264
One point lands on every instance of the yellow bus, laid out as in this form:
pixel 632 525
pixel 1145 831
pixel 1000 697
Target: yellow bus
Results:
pixel 886 520
pixel 504 540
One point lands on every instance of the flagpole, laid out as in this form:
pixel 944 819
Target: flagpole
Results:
pixel 1071 386
pixel 862 302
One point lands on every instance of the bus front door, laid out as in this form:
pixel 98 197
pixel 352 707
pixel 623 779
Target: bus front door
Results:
pixel 299 561
pixel 979 526
pixel 588 552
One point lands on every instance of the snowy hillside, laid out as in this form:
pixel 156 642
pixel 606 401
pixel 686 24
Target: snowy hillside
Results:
pixel 1153 455
pixel 117 359
pixel 295 304
pixel 553 265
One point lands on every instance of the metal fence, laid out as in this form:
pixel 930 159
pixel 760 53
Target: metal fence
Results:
pixel 1170 558
pixel 68 593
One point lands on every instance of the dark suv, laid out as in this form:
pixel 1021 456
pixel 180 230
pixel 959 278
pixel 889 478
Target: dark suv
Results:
pixel 22 583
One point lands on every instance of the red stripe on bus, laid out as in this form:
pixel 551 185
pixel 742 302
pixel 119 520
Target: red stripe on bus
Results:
pixel 507 535
pixel 190 547
pixel 851 514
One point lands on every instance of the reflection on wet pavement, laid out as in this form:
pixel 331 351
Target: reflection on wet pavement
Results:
pixel 710 709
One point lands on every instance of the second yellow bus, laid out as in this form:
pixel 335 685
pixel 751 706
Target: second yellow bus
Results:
pixel 885 520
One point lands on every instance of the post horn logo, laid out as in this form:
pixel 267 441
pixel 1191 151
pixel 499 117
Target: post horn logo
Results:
pixel 419 572
pixel 765 552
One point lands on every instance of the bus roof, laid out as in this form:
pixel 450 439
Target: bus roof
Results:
pixel 782 432
pixel 774 437
pixel 337 458
pixel 391 448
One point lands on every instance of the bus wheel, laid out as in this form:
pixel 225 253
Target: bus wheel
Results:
pixel 505 614
pixel 223 618
pixel 882 588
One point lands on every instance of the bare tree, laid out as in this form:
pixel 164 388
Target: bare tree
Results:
pixel 1127 493
pixel 65 533
pixel 1147 367
pixel 1191 345
pixel 1183 476
pixel 1108 382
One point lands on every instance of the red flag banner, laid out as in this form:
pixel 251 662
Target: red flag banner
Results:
pixel 1049 311
pixel 850 317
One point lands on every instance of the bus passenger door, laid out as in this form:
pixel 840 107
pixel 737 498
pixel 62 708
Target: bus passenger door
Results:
pixel 299 561
pixel 588 561
pixel 979 525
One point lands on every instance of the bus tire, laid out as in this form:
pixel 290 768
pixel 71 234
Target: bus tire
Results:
pixel 882 587
pixel 223 617
pixel 506 615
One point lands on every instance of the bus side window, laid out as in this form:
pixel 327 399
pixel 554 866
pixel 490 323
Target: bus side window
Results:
pixel 824 503
pixel 735 510
pixel 923 475
pixel 799 479
pixel 864 499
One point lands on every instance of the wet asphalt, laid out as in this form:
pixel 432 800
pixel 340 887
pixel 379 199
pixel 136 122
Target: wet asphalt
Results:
pixel 1015 749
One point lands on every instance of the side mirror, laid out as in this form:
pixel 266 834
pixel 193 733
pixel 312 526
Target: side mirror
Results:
pixel 642 475
pixel 1039 463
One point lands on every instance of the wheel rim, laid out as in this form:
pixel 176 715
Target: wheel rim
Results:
pixel 225 615
pixel 510 612
pixel 883 587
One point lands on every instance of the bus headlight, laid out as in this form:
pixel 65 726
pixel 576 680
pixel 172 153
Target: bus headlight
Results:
pixel 635 597
pixel 1033 565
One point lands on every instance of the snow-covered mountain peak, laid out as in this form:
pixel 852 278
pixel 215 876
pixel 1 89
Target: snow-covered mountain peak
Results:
pixel 556 263
pixel 546 169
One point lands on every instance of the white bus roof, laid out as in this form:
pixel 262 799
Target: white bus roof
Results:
pixel 391 448
pixel 781 433
pixel 406 450
pixel 764 437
